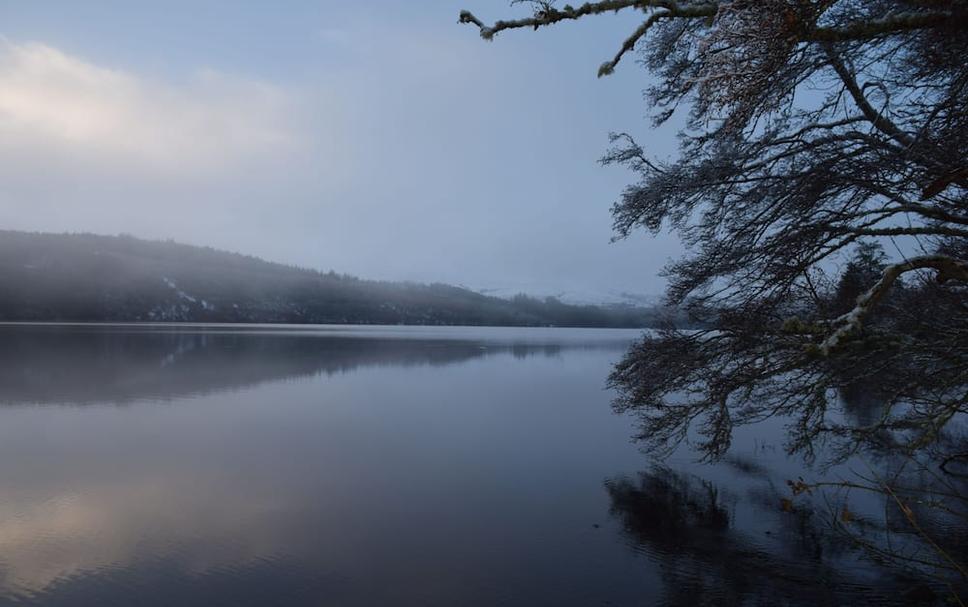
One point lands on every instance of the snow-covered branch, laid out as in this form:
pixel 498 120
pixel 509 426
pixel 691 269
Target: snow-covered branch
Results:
pixel 609 66
pixel 948 268
pixel 548 15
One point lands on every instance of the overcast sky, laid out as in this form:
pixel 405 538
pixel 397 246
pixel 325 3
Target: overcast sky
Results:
pixel 375 138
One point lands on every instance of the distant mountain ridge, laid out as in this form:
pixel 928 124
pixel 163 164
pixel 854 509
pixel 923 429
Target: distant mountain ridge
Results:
pixel 87 277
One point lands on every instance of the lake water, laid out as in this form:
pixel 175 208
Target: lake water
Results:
pixel 350 466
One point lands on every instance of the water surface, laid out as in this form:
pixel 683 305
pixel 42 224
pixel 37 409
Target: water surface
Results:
pixel 221 465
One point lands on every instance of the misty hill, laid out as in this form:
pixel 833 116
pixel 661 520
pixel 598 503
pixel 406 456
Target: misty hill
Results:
pixel 84 277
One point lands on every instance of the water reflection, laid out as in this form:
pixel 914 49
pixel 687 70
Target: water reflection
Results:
pixel 370 466
pixel 688 525
pixel 307 468
pixel 120 364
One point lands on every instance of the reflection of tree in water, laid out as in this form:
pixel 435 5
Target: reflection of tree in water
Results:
pixel 861 401
pixel 920 525
pixel 688 528
pixel 923 521
pixel 86 365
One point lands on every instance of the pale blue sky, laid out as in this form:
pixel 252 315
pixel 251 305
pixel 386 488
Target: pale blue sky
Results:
pixel 379 138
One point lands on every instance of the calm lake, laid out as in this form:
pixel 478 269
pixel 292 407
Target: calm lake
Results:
pixel 358 466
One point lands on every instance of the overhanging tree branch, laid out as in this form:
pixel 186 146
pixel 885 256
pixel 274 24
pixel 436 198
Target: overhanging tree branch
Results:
pixel 948 268
pixel 549 15
pixel 609 66
pixel 778 179
pixel 856 31
pixel 900 22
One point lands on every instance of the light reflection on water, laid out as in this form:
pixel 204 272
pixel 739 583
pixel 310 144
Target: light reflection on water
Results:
pixel 370 466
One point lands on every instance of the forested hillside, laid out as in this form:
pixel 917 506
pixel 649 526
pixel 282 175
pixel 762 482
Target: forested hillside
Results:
pixel 84 277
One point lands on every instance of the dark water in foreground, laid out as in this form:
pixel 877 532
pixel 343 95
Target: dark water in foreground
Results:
pixel 373 466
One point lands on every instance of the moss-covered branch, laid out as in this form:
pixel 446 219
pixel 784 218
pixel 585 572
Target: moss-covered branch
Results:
pixel 666 9
pixel 549 15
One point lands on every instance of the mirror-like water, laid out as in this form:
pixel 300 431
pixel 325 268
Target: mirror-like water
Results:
pixel 372 466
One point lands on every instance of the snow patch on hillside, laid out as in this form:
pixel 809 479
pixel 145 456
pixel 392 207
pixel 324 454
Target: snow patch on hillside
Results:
pixel 185 296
